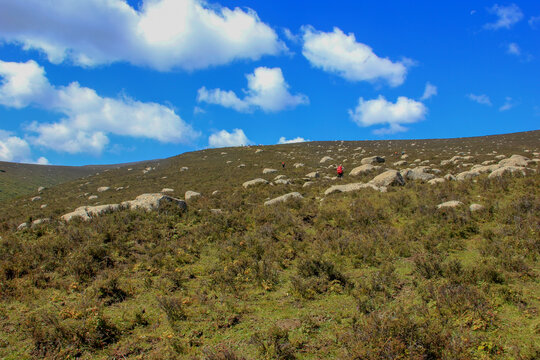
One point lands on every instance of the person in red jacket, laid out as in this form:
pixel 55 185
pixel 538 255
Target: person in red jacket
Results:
pixel 340 171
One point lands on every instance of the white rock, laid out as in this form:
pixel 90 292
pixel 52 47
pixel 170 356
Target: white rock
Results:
pixel 41 188
pixel 449 204
pixel 372 160
pixel 102 188
pixel 191 195
pixel 40 221
pixel 313 175
pixel 283 198
pixel 400 163
pixel 515 160
pixel 254 182
pixel 166 190
pixel 363 169
pixel 325 159
pixel 308 183
pixel 510 170
pixel 92 197
pixel 36 198
pixel 280 177
pixel 43 206
pixel 352 187
pixel 258 151
pixel 269 171
pixel 476 207
pixel 436 181
pixel 388 178
pixel 22 226
pixel 184 168
pixel 282 182
pixel 298 165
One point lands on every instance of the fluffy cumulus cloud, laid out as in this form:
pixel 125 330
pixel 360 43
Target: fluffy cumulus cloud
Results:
pixel 382 112
pixel 481 99
pixel 534 21
pixel 283 140
pixel 224 138
pixel 507 16
pixel 15 149
pixel 87 117
pixel 162 34
pixel 339 53
pixel 429 91
pixel 267 90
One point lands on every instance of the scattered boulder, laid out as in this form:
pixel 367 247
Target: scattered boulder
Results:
pixel 92 197
pixel 372 160
pixel 509 170
pixel 167 190
pixel 191 195
pixel 43 206
pixel 325 159
pixel 476 207
pixel 216 211
pixel 466 175
pixel 404 156
pixel 40 221
pixel 242 165
pixel 269 171
pixel 450 177
pixel 283 198
pixel 363 169
pixel 153 201
pixel 103 188
pixel 352 187
pixel 41 188
pixel 449 204
pixel 22 226
pixel 184 168
pixel 419 173
pixel 308 183
pixel 388 178
pixel 400 163
pixel 258 151
pixel 436 181
pixel 280 177
pixel 119 188
pixel 282 182
pixel 254 182
pixel 515 160
pixel 215 192
pixel 298 165
pixel 313 175
pixel 36 198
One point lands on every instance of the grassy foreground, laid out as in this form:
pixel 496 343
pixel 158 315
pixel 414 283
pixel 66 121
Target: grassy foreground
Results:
pixel 361 275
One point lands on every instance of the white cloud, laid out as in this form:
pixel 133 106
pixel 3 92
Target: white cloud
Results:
pixel 507 16
pixel 514 49
pixel 429 91
pixel 508 104
pixel 15 149
pixel 162 34
pixel 228 139
pixel 282 140
pixel 481 99
pixel 88 117
pixel 267 90
pixel 341 54
pixel 382 112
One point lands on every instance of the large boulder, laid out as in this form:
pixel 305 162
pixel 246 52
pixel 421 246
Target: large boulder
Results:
pixel 515 160
pixel 388 178
pixel 283 198
pixel 466 175
pixel 313 175
pixel 269 171
pixel 419 173
pixel 372 160
pixel 510 170
pixel 363 169
pixel 352 187
pixel 254 182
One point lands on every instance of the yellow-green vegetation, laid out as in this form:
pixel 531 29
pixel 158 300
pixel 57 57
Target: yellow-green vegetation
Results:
pixel 357 275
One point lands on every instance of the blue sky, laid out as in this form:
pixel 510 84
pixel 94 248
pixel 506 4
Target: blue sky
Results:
pixel 95 82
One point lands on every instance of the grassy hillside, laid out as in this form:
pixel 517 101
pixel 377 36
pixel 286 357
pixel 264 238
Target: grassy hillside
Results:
pixel 357 275
pixel 20 179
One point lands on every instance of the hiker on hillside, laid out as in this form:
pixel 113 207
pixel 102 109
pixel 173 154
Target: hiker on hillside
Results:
pixel 283 164
pixel 340 171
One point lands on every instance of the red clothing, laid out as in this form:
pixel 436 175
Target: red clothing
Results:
pixel 340 169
